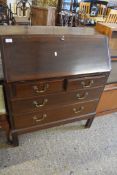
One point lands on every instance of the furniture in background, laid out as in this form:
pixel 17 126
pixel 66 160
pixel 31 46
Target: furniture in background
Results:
pixel 75 14
pixel 22 12
pixel 85 6
pixel 110 30
pixel 43 16
pixel 82 13
pixel 108 101
pixel 4 124
pixel 43 12
pixel 49 83
pixel 90 16
pixel 101 15
pixel 6 15
pixel 108 15
pixel 3 1
pixel 112 17
pixel 102 12
pixel 3 116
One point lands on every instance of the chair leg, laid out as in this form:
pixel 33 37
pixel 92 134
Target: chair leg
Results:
pixel 89 122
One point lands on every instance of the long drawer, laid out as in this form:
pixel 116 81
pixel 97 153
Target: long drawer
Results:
pixel 50 101
pixel 86 82
pixel 36 88
pixel 49 116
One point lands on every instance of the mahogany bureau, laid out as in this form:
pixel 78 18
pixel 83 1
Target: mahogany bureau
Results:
pixel 52 76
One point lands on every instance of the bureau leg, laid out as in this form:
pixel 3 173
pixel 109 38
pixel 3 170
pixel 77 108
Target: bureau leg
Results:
pixel 89 122
pixel 7 134
pixel 15 140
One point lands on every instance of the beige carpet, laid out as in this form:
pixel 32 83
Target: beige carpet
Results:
pixel 65 150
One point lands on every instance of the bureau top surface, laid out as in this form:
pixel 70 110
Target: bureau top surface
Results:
pixel 30 57
pixel 54 30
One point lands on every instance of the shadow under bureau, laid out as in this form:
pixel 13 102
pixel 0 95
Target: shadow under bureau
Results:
pixel 52 76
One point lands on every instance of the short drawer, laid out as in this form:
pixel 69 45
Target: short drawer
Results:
pixel 54 115
pixel 50 101
pixel 86 82
pixel 35 88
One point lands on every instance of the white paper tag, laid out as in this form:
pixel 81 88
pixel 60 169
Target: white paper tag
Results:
pixel 55 54
pixel 8 40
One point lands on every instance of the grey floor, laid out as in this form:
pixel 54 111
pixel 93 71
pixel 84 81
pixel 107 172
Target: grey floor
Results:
pixel 65 150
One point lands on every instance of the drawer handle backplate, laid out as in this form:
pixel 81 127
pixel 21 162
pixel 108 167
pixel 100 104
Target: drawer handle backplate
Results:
pixel 83 83
pixel 39 119
pixel 37 105
pixel 82 97
pixel 76 111
pixel 36 89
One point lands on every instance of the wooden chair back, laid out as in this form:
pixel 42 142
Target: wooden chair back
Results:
pixel 18 12
pixel 13 7
pixel 112 16
pixel 102 10
pixel 85 6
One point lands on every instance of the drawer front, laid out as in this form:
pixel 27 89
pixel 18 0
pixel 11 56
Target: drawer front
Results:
pixel 50 101
pixel 35 88
pixel 49 116
pixel 86 82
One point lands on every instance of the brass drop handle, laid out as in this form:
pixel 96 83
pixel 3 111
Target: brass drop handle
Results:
pixel 38 119
pixel 79 97
pixel 36 89
pixel 76 111
pixel 37 105
pixel 87 85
